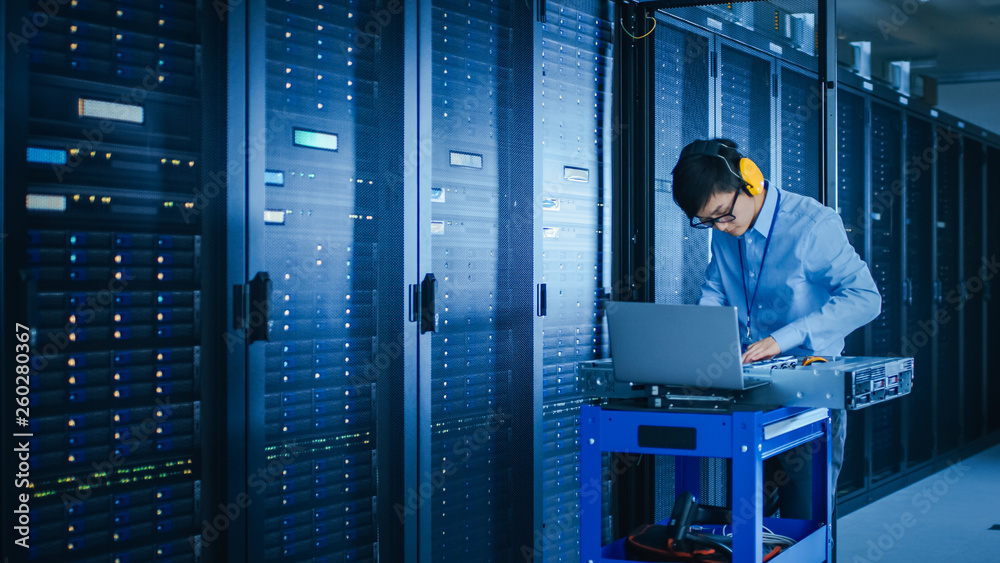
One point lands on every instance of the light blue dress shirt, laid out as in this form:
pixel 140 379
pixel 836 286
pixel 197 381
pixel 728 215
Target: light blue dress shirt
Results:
pixel 814 288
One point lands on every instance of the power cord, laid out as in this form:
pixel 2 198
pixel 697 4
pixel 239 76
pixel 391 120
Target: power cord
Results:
pixel 641 36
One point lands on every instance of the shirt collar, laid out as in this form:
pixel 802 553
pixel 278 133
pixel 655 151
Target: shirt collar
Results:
pixel 763 223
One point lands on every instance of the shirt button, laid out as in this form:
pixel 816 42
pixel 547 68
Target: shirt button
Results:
pixel 751 274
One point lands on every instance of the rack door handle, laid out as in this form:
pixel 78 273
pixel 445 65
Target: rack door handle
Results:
pixel 252 308
pixel 428 315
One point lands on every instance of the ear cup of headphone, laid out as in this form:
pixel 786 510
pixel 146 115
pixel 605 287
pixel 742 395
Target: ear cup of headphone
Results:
pixel 752 175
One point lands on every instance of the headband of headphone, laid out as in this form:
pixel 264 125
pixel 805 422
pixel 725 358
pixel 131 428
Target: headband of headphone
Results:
pixel 750 174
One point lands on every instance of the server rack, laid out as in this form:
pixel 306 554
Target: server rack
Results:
pixel 948 349
pixel 746 88
pixel 908 147
pixel 798 125
pixel 992 198
pixel 574 206
pixel 919 189
pixel 321 344
pixel 852 158
pixel 852 151
pixel 106 187
pixel 684 113
pixel 885 250
pixel 479 393
pixel 286 520
pixel 972 304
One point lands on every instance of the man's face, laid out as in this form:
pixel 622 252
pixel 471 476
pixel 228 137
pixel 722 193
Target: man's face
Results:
pixel 722 205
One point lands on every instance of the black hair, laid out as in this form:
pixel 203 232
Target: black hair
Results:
pixel 698 177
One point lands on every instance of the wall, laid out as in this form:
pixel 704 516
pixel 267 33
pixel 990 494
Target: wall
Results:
pixel 973 101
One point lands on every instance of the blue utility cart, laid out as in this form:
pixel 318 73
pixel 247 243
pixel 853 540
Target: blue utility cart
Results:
pixel 748 437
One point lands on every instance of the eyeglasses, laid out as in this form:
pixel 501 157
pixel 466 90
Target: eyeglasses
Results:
pixel 709 223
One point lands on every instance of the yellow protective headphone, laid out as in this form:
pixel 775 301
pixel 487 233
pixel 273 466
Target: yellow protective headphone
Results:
pixel 750 174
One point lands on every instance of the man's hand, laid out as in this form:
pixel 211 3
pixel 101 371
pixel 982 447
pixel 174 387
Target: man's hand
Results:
pixel 761 350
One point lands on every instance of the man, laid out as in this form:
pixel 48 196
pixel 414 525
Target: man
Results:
pixel 785 262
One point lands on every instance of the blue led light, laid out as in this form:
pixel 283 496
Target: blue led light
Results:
pixel 274 178
pixel 315 140
pixel 38 155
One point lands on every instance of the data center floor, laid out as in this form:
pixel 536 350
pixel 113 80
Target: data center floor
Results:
pixel 951 515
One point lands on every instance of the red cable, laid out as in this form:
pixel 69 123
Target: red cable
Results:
pixel 771 555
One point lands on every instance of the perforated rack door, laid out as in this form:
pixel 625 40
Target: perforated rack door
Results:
pixel 478 500
pixel 947 232
pixel 746 102
pixel 851 178
pixel 683 113
pixel 800 114
pixel 920 277
pixel 885 263
pixel 974 277
pixel 993 287
pixel 332 189
pixel 575 206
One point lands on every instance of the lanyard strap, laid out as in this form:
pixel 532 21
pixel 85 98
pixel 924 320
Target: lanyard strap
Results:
pixel 750 300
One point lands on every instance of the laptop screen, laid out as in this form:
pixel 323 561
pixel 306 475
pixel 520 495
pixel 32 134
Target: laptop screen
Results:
pixel 691 346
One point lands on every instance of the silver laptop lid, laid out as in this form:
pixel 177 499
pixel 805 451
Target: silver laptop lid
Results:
pixel 691 346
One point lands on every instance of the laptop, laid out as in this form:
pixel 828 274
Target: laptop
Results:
pixel 690 346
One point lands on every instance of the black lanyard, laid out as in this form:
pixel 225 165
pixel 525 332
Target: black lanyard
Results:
pixel 751 300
